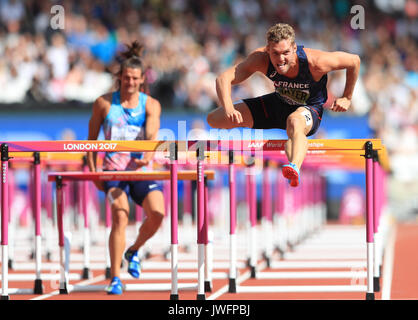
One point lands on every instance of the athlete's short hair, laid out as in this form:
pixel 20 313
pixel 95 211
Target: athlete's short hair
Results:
pixel 280 31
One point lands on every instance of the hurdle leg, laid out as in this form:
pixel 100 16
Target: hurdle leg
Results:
pixel 376 194
pixel 13 220
pixel 4 221
pixel 200 224
pixel 108 224
pixel 208 243
pixel 278 218
pixel 61 241
pixel 86 229
pixel 174 221
pixel 369 220
pixel 232 224
pixel 267 226
pixel 38 239
pixel 253 220
pixel 49 219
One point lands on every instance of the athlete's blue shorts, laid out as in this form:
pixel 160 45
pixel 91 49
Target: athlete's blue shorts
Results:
pixel 137 190
pixel 269 112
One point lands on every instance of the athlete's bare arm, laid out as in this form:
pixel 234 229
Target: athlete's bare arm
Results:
pixel 322 62
pixel 100 108
pixel 255 61
pixel 152 125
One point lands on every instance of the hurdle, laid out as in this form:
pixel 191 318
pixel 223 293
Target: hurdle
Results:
pixel 351 152
pixel 38 162
pixel 60 177
pixel 38 288
pixel 352 147
pixel 369 148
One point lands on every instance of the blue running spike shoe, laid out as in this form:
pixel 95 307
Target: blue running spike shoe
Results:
pixel 115 286
pixel 290 171
pixel 134 266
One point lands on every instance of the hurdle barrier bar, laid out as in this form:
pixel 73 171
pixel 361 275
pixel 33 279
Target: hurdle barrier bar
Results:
pixel 333 145
pixel 371 224
pixel 302 288
pixel 24 162
pixel 306 230
pixel 60 177
pixel 33 194
pixel 36 194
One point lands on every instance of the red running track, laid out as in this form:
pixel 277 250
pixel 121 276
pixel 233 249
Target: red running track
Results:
pixel 401 270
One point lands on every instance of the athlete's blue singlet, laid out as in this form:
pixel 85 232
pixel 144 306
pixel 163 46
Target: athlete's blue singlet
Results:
pixel 302 90
pixel 124 124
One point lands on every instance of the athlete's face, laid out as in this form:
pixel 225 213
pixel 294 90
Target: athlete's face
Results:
pixel 282 55
pixel 131 80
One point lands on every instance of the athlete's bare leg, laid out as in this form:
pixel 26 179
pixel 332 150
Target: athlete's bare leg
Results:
pixel 153 206
pixel 297 129
pixel 117 238
pixel 217 118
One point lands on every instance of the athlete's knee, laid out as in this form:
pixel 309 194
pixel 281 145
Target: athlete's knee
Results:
pixel 295 123
pixel 156 218
pixel 120 217
pixel 213 120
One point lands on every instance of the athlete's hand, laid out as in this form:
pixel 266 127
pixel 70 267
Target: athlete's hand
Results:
pixel 341 105
pixel 234 116
pixel 141 163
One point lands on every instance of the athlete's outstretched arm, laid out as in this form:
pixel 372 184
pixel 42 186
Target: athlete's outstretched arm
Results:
pixel 324 62
pixel 256 61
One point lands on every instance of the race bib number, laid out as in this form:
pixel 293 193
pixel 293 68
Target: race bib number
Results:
pixel 127 132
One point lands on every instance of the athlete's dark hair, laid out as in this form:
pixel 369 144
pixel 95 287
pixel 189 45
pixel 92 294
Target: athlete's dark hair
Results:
pixel 132 58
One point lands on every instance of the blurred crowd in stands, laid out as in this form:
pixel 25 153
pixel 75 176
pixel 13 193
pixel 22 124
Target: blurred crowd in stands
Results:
pixel 188 42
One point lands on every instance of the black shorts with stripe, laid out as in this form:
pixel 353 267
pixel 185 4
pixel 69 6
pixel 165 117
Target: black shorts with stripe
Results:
pixel 270 112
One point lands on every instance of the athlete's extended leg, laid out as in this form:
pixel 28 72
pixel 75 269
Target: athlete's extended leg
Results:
pixel 298 125
pixel 217 118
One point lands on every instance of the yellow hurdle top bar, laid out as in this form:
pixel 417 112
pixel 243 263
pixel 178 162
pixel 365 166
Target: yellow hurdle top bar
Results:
pixel 127 175
pixel 208 145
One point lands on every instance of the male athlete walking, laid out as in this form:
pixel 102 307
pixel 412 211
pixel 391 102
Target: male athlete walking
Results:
pixel 128 114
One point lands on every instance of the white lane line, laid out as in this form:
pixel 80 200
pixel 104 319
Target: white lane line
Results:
pixel 241 278
pixel 323 264
pixel 87 282
pixel 318 288
pixel 312 275
pixel 388 265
